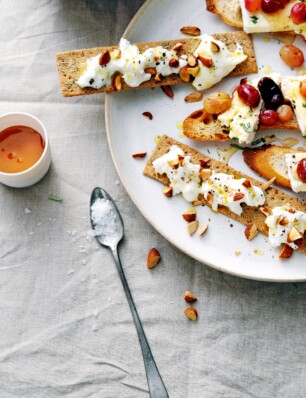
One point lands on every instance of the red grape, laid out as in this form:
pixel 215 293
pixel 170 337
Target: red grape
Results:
pixel 301 170
pixel 298 13
pixel 270 6
pixel 252 5
pixel 268 117
pixel 248 94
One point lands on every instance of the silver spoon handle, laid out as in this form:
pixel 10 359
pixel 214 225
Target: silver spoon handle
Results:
pixel 156 386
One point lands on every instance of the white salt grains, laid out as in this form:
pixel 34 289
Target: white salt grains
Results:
pixel 104 217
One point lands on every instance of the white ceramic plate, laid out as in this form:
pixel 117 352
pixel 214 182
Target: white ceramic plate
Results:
pixel 130 132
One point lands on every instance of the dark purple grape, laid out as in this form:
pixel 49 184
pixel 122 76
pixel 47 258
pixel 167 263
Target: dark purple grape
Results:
pixel 270 93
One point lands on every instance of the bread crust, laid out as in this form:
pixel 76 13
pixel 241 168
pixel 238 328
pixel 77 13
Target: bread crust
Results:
pixel 269 161
pixel 229 12
pixel 250 215
pixel 70 63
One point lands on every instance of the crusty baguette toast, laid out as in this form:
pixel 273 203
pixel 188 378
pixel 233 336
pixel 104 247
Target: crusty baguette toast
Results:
pixel 250 215
pixel 202 127
pixel 70 63
pixel 269 161
pixel 228 11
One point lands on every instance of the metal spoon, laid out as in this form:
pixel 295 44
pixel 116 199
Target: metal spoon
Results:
pixel 109 232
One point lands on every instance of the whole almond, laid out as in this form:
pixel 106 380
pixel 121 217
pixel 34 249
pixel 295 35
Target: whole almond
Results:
pixel 105 58
pixel 193 97
pixel 148 115
pixel 153 258
pixel 168 91
pixel 139 155
pixel 191 30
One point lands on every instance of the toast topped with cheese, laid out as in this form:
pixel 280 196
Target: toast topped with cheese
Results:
pixel 273 101
pixel 203 180
pixel 253 17
pixel 202 61
pixel 286 164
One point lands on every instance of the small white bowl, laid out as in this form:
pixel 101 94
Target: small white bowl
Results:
pixel 36 172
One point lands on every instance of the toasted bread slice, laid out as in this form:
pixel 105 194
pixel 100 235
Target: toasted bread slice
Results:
pixel 250 215
pixel 269 161
pixel 70 63
pixel 228 11
pixel 202 127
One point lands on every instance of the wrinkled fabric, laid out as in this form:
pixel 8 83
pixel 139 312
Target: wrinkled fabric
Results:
pixel 65 326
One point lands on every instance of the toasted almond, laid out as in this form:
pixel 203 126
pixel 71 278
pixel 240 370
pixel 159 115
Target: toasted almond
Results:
pixel 104 58
pixel 152 71
pixel 189 297
pixel 285 252
pixel 202 229
pixel 265 210
pixel 193 97
pixel 181 160
pixel 209 198
pixel 190 215
pixel 184 75
pixel 174 62
pixel 267 185
pixel 115 54
pixel 196 203
pixel 167 191
pixel 168 91
pixel 238 196
pixel 191 313
pixel 117 82
pixel 174 164
pixel 148 115
pixel 206 60
pixel 293 235
pixel 191 30
pixel 250 231
pixel 197 114
pixel 153 258
pixel 192 227
pixel 158 77
pixel 214 47
pixel 247 183
pixel 193 71
pixel 203 163
pixel 192 60
pixel 139 155
pixel 156 58
pixel 205 174
pixel 177 47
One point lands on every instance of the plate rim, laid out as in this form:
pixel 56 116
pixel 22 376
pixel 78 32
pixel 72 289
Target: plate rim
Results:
pixel 108 98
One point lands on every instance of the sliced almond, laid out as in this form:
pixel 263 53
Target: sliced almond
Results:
pixel 214 47
pixel 293 235
pixel 104 58
pixel 167 191
pixel 238 196
pixel 202 229
pixel 267 185
pixel 193 71
pixel 184 75
pixel 189 297
pixel 153 258
pixel 190 215
pixel 139 155
pixel 174 62
pixel 266 211
pixel 152 71
pixel 285 252
pixel 191 30
pixel 250 231
pixel 194 97
pixel 117 82
pixel 148 115
pixel 192 60
pixel 205 174
pixel 192 227
pixel 247 183
pixel 206 60
pixel 191 313
pixel 115 54
pixel 177 47
pixel 168 91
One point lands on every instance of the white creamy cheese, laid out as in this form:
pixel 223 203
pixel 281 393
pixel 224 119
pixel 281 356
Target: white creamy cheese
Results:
pixel 291 91
pixel 219 189
pixel 278 233
pixel 224 61
pixel 291 162
pixel 132 64
pixel 242 120
pixel 280 21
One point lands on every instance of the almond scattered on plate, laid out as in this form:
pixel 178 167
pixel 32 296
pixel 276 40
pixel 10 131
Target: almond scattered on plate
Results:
pixel 153 258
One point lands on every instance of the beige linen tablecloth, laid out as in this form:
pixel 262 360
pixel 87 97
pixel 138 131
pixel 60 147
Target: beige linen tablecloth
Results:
pixel 66 329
